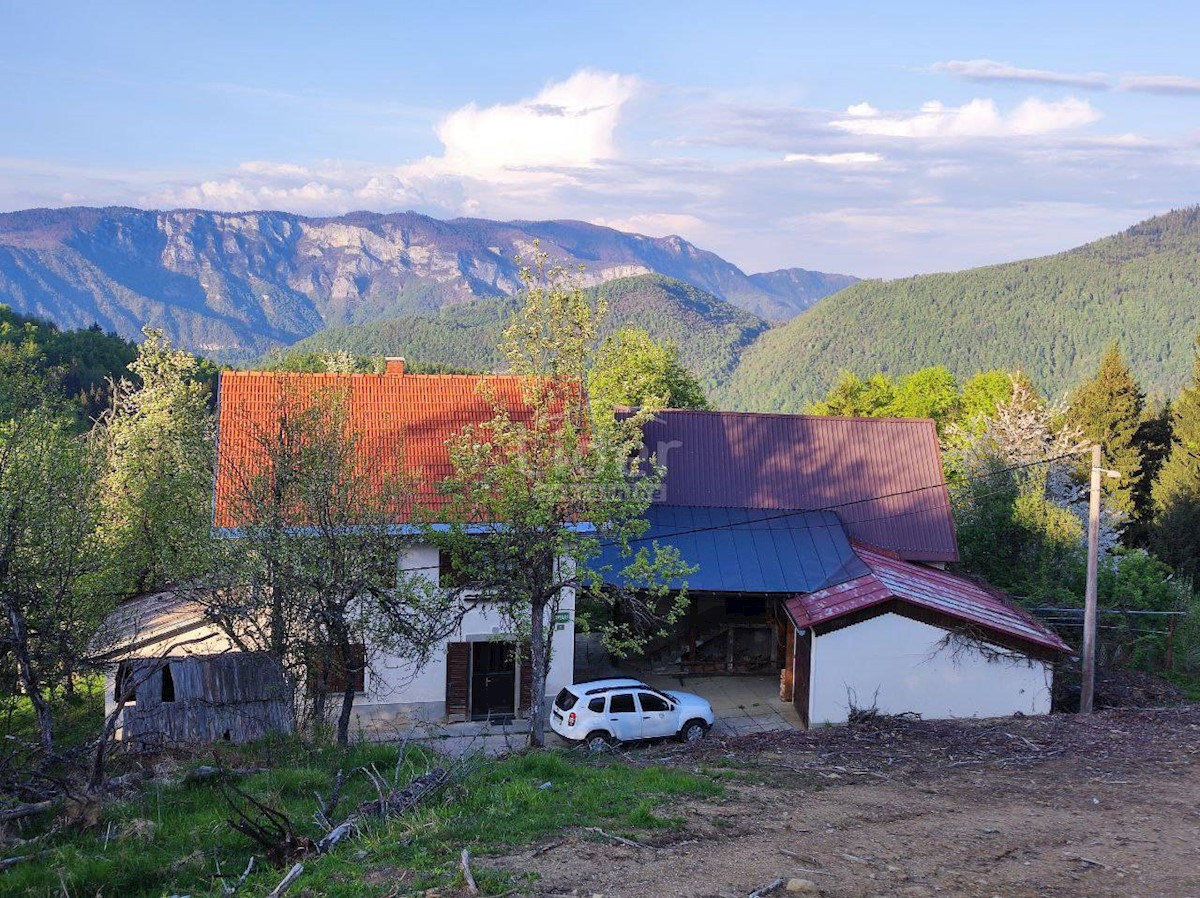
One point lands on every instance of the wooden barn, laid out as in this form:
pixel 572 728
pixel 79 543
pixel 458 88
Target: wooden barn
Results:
pixel 182 680
pixel 229 697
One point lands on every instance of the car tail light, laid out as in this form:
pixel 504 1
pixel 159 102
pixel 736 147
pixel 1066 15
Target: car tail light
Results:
pixel 571 719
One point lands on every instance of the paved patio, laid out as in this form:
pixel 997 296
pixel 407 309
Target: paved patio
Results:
pixel 742 704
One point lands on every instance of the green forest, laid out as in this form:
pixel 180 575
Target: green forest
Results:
pixel 1050 317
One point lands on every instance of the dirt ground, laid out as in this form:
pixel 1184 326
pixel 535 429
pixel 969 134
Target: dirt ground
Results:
pixel 1057 806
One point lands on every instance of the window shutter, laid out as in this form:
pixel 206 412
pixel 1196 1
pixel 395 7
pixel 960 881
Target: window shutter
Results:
pixel 458 679
pixel 526 697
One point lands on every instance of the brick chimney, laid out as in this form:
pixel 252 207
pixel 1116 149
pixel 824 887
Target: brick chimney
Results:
pixel 395 365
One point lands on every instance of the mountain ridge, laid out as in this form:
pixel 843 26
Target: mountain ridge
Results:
pixel 232 285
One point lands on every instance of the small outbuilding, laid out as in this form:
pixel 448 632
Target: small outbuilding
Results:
pixel 906 638
pixel 178 679
pixel 196 699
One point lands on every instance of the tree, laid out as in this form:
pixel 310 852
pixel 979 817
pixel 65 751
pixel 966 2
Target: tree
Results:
pixel 534 497
pixel 633 369
pixel 47 547
pixel 1107 410
pixel 159 450
pixel 854 397
pixel 928 393
pixel 312 575
pixel 1176 494
pixel 1153 441
pixel 1013 500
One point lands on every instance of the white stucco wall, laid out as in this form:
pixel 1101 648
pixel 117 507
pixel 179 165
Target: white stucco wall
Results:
pixel 396 694
pixel 903 661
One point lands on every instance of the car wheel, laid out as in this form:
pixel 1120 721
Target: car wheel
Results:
pixel 693 731
pixel 597 741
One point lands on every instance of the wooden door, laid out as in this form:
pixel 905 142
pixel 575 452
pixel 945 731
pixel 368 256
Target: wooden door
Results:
pixel 801 673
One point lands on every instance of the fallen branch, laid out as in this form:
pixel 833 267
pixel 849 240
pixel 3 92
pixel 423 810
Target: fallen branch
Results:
pixel 629 842
pixel 464 862
pixel 545 848
pixel 12 861
pixel 770 887
pixel 288 881
pixel 232 889
pixel 25 810
pixel 335 835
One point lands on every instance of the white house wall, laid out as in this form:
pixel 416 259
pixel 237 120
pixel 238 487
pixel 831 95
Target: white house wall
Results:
pixel 897 665
pixel 397 695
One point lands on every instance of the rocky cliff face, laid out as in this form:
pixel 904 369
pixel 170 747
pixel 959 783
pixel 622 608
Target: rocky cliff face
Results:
pixel 233 285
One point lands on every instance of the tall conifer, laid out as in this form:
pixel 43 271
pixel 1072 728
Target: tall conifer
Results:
pixel 1176 494
pixel 1108 409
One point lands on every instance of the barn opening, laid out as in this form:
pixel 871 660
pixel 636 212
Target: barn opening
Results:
pixel 168 684
pixel 735 644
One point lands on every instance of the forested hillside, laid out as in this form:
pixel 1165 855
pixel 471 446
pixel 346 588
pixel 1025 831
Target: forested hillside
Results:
pixel 78 364
pixel 1052 317
pixel 709 332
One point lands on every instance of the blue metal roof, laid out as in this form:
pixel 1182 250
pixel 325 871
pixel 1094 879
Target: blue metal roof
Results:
pixel 749 550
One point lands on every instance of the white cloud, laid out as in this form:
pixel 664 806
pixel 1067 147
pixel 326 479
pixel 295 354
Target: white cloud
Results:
pixel 1161 84
pixel 656 224
pixel 986 70
pixel 764 183
pixel 569 124
pixel 522 149
pixel 843 159
pixel 862 109
pixel 975 118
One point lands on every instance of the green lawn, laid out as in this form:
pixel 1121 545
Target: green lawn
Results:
pixel 171 836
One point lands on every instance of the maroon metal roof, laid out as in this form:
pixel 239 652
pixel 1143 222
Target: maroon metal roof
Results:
pixel 882 476
pixel 926 587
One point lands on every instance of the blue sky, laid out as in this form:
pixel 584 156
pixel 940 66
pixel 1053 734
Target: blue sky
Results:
pixel 873 139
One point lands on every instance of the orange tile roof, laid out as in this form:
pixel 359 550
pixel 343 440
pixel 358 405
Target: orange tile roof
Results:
pixel 402 421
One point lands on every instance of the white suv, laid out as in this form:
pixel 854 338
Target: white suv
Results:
pixel 622 710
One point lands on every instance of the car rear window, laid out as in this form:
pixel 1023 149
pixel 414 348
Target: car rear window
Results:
pixel 566 700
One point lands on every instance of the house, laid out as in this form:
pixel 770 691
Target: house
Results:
pixel 820 545
pixel 402 422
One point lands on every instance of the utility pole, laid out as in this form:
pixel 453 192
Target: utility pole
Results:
pixel 1088 688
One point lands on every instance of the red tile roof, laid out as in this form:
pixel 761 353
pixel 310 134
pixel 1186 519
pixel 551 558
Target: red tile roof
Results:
pixel 882 476
pixel 402 420
pixel 925 587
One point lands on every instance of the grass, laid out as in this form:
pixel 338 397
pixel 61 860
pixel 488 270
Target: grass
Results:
pixel 76 716
pixel 171 836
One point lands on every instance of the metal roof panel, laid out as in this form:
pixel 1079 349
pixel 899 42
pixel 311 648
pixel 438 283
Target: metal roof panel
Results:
pixel 882 476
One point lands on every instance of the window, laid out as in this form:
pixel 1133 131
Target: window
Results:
pixel 566 700
pixel 124 687
pixel 168 684
pixel 653 702
pixel 348 667
pixel 449 576
pixel 596 705
pixel 621 704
